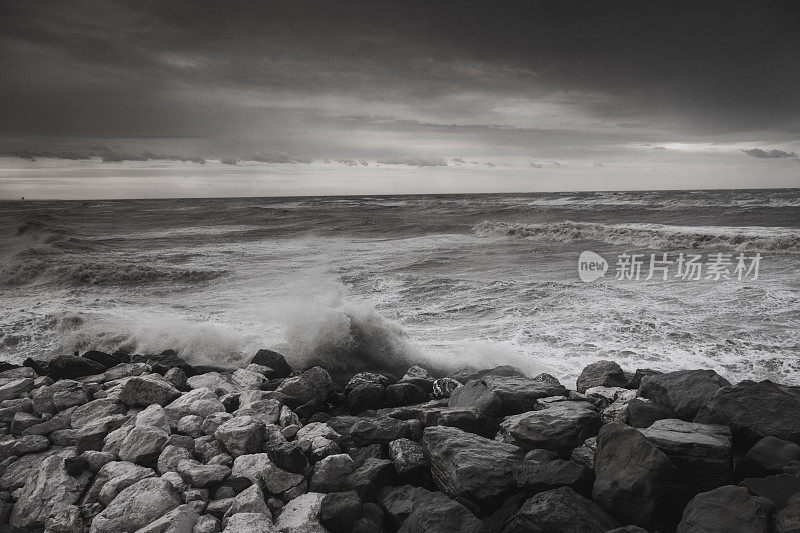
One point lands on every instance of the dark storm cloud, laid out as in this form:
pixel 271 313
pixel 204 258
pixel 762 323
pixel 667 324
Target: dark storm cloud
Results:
pixel 268 71
pixel 768 154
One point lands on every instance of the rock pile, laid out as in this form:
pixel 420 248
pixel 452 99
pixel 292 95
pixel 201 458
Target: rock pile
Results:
pixel 104 443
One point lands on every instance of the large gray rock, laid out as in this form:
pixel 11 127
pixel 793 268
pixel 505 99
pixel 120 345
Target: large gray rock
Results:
pixel 754 411
pixel 137 506
pixel 201 476
pixel 520 394
pixel 726 509
pixel 301 514
pixel 12 388
pixel 479 396
pixel 67 520
pixel 330 474
pixel 559 427
pixel 424 511
pixel 770 455
pixel 250 466
pixel 147 390
pixel 470 468
pixel 703 453
pixel 113 478
pixel 143 445
pixel 95 410
pixel 47 492
pixel 559 510
pixel 635 481
pixel 643 412
pixel 277 480
pixel 241 435
pixel 273 360
pixel 201 402
pixel 250 500
pixel 683 391
pixel 250 523
pixel 313 384
pixel 788 519
pixel 778 488
pixel 179 520
pixel 601 374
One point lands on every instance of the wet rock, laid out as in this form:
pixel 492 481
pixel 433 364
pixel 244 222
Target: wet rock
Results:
pixel 370 430
pixel 601 374
pixel 148 389
pixel 143 445
pixel 401 394
pixel 339 511
pixel 560 427
pixel 407 456
pixel 365 377
pixel 416 375
pixel 468 467
pixel 444 387
pixel 643 412
pixel 434 511
pixel 560 510
pixel 366 396
pixel 754 411
pixel 214 381
pixel 200 475
pixel 683 391
pixel 137 506
pixel 201 402
pixel 330 474
pixel 634 480
pixel 301 514
pixel 182 519
pixel 702 452
pixel 778 488
pixel 770 455
pixel 313 384
pixel 49 490
pixel 479 396
pixel 724 510
pixel 788 519
pixel 520 394
pixel 72 366
pixel 273 360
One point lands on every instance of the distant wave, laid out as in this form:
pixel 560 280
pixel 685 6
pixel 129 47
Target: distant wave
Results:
pixel 649 235
pixel 86 274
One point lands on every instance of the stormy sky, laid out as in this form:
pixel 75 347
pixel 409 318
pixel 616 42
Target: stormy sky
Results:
pixel 314 97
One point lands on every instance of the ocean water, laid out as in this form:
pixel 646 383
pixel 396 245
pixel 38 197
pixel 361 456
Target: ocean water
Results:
pixel 390 281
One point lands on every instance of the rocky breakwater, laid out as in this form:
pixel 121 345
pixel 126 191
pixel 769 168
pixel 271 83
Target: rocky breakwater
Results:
pixel 104 443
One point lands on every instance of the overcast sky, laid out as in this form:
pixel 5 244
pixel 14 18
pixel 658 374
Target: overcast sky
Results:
pixel 172 98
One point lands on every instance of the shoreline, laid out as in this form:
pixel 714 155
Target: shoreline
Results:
pixel 109 442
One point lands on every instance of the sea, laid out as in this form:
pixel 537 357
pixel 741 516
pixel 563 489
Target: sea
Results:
pixel 444 281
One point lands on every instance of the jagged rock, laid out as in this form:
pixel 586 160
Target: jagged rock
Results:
pixel 468 467
pixel 182 519
pixel 301 514
pixel 200 475
pixel 724 510
pixel 114 439
pixel 92 436
pixel 778 488
pixel 559 510
pixel 214 381
pixel 112 479
pixel 287 417
pixel 330 474
pixel 444 387
pixel 250 500
pixel 22 422
pixel 67 393
pixel 273 360
pixel 339 511
pixel 177 377
pixel 754 411
pixel 207 524
pixel 170 457
pixel 372 474
pixel 11 388
pixel 420 377
pixel 244 379
pixel 241 435
pixel 365 377
pixel 125 370
pixel 219 507
pixel 46 492
pixel 95 410
pixel 13 406
pixel 366 396
pixel 265 411
pixel 153 416
pixel 250 466
pixel 634 480
pixel 277 481
pixel 72 366
pixel 313 430
pixel 703 453
pixel 190 425
pixel 289 456
pixel 67 520
pixel 683 391
pixel 643 412
pixel 313 384
pixel 201 402
pixel 560 427
pixel 401 394
pixel 30 444
pixel 96 460
pixel 147 390
pixel 788 520
pixel 406 455
pixel 322 447
pixel 770 455
pixel 143 445
pixel 434 511
pixel 601 374
pixel 477 395
pixel 137 506
pixel 520 394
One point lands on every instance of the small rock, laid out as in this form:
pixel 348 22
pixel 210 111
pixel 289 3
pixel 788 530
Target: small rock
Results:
pixel 444 387
pixel 601 374
pixel 406 455
pixel 177 377
pixel 339 511
pixel 207 524
pixel 191 425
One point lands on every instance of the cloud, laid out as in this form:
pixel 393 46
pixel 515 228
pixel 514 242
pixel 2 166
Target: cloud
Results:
pixel 415 161
pixel 768 154
pixel 278 157
pixel 597 164
pixel 106 155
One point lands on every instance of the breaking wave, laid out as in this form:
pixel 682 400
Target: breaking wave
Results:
pixel 649 235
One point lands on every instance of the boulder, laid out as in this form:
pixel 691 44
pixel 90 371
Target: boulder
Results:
pixel 18 472
pixel 601 374
pixel 95 410
pixel 370 475
pixel 179 520
pixel 635 481
pixel 557 510
pixel 250 523
pixel 11 388
pixel 770 455
pixel 147 390
pixel 170 457
pixel 434 511
pixel 330 474
pixel 153 416
pixel 143 445
pixel 560 427
pixel 725 510
pixel 244 379
pixel 470 468
pixel 479 396
pixel 214 381
pixel 367 430
pixel 201 402
pixel 365 377
pixel 136 506
pixel 265 411
pixel 207 524
pixel 402 393
pixel 241 435
pixel 273 360
pixel 125 370
pixel 288 455
pixel 420 377
pixel 202 476
pixel 778 488
pixel 703 453
pixel 67 520
pixel 250 466
pixel 313 384
pixel 339 511
pixel 788 520
pixel 520 394
pixel 407 456
pixel 106 359
pixel 683 391
pixel 277 480
pixel 754 411
pixel 49 490
pixel 72 366
pixel 444 387
pixel 250 500
pixel 113 478
pixel 643 412
pixel 366 396
pixel 301 514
